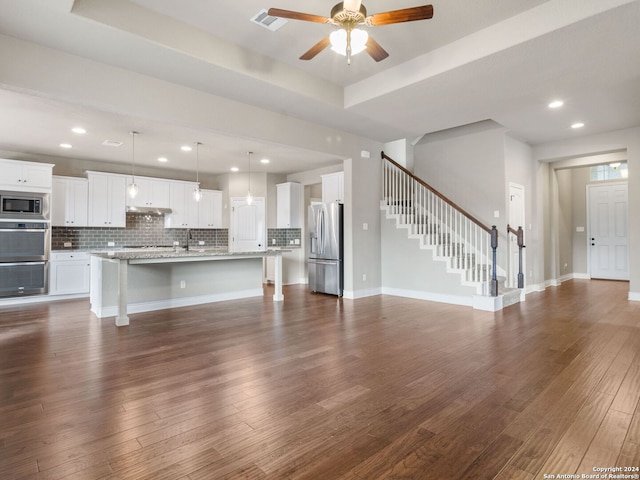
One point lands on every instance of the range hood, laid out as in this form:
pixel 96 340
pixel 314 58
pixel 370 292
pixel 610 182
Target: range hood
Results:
pixel 148 209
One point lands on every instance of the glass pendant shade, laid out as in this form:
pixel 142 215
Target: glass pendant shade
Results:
pixel 338 40
pixel 197 194
pixel 132 189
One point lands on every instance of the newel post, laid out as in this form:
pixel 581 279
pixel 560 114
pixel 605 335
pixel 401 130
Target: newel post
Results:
pixel 494 248
pixel 520 238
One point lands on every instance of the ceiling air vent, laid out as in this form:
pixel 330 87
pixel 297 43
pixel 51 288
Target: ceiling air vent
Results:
pixel 267 21
pixel 111 143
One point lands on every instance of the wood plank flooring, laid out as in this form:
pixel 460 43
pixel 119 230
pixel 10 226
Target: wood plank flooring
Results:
pixel 324 388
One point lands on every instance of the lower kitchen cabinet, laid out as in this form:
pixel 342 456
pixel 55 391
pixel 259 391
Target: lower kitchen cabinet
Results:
pixel 69 273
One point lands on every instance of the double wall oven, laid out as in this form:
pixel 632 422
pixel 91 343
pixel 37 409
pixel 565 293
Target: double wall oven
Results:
pixel 24 243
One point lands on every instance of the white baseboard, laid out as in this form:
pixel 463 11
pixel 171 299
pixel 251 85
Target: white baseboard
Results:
pixel 634 296
pixel 582 276
pixel 466 301
pixel 369 292
pixel 178 302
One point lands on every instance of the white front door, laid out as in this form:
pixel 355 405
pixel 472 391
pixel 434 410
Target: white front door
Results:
pixel 248 225
pixel 516 219
pixel 608 231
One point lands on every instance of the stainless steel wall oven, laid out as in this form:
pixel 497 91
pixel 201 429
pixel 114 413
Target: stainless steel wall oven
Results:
pixel 24 258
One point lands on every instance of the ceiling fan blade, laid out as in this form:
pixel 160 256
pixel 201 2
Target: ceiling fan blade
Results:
pixel 399 16
pixel 352 5
pixel 316 49
pixel 307 17
pixel 375 50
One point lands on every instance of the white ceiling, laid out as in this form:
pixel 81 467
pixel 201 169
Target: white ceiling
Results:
pixel 475 60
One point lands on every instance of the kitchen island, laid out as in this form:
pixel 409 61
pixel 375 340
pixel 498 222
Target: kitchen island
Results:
pixel 125 282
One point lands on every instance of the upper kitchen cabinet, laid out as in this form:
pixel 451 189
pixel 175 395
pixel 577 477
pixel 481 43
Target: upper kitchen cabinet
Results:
pixel 25 176
pixel 333 187
pixel 107 198
pixel 69 202
pixel 184 208
pixel 152 192
pixel 289 205
pixel 210 209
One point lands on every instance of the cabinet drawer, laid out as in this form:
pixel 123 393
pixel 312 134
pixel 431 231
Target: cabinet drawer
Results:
pixel 70 256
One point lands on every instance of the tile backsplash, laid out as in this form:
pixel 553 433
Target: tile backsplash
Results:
pixel 283 237
pixel 141 230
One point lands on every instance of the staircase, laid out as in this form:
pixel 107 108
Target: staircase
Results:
pixel 452 235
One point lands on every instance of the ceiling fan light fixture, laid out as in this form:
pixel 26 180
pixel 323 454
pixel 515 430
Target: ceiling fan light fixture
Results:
pixel 338 39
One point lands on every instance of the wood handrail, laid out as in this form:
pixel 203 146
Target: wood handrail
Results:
pixel 510 229
pixel 437 193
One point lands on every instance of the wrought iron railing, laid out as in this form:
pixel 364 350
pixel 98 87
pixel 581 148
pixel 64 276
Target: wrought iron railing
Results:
pixel 455 233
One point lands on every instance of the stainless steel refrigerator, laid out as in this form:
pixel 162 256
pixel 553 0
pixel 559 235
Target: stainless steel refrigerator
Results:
pixel 326 248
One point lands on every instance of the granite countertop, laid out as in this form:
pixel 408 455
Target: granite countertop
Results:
pixel 139 254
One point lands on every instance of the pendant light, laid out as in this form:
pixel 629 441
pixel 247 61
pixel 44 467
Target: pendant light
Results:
pixel 133 188
pixel 197 193
pixel 249 197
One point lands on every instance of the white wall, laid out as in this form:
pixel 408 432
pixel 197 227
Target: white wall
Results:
pixel 467 165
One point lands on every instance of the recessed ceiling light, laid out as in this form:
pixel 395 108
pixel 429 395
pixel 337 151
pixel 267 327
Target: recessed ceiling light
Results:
pixel 556 104
pixel 65 145
pixel 264 160
pixel 163 159
pixel 235 169
pixel 186 148
pixel 78 130
pixel 577 125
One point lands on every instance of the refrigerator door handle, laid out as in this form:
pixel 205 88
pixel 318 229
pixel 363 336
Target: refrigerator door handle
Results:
pixel 321 233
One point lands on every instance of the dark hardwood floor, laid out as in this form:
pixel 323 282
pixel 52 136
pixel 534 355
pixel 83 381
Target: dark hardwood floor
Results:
pixel 320 388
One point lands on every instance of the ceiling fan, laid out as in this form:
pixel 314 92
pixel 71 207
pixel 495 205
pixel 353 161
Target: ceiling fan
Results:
pixel 348 15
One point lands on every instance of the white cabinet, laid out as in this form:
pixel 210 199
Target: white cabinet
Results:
pixel 333 187
pixel 69 197
pixel 107 193
pixel 69 273
pixel 210 209
pixel 25 176
pixel 184 208
pixel 289 205
pixel 152 192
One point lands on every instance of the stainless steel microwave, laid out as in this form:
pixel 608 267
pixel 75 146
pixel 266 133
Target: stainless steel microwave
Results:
pixel 24 206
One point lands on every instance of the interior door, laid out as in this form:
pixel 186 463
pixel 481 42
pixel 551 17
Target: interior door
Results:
pixel 248 225
pixel 516 219
pixel 608 231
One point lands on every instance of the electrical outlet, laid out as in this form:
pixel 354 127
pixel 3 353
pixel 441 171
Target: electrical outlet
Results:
pixel 183 284
pixel 297 241
pixel 176 243
pixel 111 244
pixel 273 241
pixel 200 242
pixel 364 277
pixel 67 245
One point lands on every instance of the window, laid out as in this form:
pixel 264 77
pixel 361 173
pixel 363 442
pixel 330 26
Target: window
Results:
pixel 612 171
